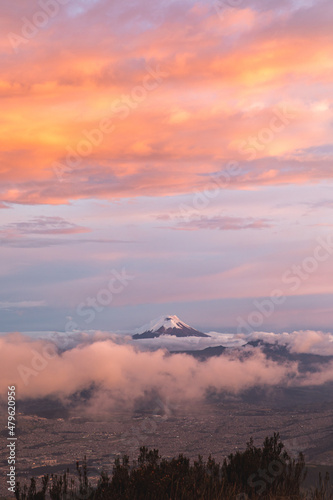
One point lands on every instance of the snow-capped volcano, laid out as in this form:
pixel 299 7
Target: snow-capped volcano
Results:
pixel 166 325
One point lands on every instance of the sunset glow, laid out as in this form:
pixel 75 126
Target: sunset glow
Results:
pixel 187 142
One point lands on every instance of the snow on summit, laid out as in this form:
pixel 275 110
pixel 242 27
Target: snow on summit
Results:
pixel 167 325
pixel 165 321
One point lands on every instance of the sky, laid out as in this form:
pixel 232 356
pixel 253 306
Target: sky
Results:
pixel 166 157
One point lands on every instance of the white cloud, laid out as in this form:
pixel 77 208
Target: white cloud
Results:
pixel 302 341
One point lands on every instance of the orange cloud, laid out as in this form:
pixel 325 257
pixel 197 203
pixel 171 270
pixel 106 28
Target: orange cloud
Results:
pixel 148 113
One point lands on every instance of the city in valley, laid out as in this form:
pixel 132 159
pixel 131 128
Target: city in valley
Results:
pixel 51 440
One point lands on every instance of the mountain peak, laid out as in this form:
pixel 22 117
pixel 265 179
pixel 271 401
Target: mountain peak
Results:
pixel 166 325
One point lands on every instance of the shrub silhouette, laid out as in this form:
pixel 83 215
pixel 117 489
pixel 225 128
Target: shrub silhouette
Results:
pixel 266 473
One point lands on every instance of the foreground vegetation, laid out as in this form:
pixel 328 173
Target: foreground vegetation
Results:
pixel 267 472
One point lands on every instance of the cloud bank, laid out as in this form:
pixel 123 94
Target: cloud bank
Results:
pixel 123 373
pixel 39 370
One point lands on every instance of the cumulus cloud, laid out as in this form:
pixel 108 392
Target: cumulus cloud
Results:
pixel 302 341
pixel 38 369
pixel 117 373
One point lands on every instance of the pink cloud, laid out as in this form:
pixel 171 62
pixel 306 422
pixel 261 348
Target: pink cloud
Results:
pixel 38 370
pixel 223 80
